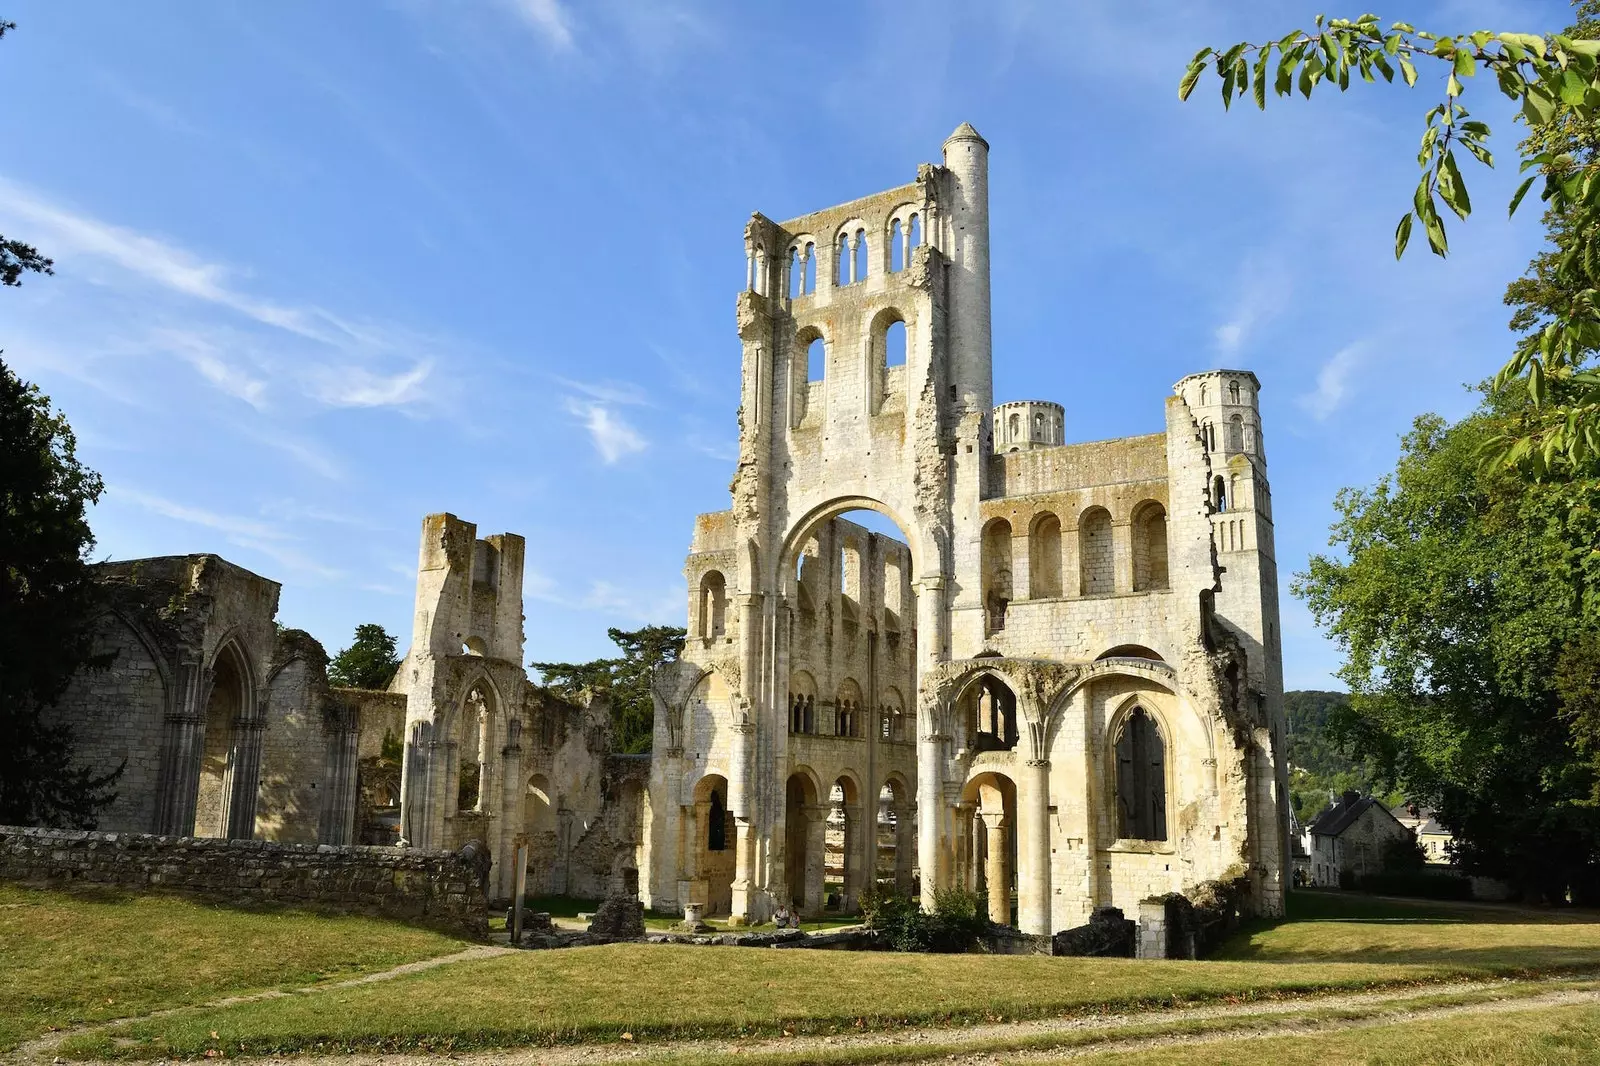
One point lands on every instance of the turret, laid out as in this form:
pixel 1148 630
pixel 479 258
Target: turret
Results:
pixel 1026 424
pixel 966 157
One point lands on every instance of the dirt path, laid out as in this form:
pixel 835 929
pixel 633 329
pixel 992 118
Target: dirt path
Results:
pixel 45 1046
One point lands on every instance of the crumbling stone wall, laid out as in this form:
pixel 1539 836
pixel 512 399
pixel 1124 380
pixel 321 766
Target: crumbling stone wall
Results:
pixel 437 889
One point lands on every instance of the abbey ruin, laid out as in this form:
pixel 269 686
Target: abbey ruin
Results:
pixel 1060 679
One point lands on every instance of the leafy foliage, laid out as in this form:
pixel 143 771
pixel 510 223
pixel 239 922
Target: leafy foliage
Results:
pixel 49 602
pixel 958 920
pixel 1467 603
pixel 1556 83
pixel 369 662
pixel 1321 762
pixel 626 680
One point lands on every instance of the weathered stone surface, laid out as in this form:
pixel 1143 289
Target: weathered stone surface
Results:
pixel 1106 934
pixel 427 888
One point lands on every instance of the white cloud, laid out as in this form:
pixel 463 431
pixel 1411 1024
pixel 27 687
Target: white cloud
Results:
pixel 356 386
pixel 548 18
pixel 1333 382
pixel 619 392
pixel 1262 292
pixel 613 437
pixel 236 527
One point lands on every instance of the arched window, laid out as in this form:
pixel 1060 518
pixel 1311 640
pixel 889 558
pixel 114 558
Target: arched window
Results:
pixel 916 230
pixel 991 715
pixel 1233 392
pixel 1149 547
pixel 1202 394
pixel 842 261
pixel 1096 568
pixel 1141 779
pixel 802 703
pixel 847 710
pixel 1236 433
pixel 996 573
pixel 810 258
pixel 1219 495
pixel 1013 427
pixel 861 255
pixel 816 359
pixel 1044 557
pixel 897 258
pixel 717 824
pixel 713 604
pixel 797 274
pixel 894 344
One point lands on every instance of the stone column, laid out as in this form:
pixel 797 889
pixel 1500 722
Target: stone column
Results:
pixel 997 866
pixel 511 798
pixel 182 743
pixel 905 845
pixel 1122 556
pixel 340 785
pixel 739 803
pixel 930 816
pixel 854 876
pixel 1033 859
pixel 855 242
pixel 244 774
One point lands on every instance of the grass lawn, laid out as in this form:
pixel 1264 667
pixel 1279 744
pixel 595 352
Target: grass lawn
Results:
pixel 67 958
pixel 567 908
pixel 72 958
pixel 1551 1036
pixel 652 991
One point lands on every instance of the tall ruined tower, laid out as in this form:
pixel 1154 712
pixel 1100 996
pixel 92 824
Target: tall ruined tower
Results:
pixel 1050 611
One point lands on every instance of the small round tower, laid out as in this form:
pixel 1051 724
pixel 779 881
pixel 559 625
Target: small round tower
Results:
pixel 1026 424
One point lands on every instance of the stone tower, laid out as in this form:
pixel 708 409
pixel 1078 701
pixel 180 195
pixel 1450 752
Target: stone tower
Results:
pixel 1056 621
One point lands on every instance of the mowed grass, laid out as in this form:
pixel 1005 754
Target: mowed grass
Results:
pixel 68 958
pixel 1548 1036
pixel 598 994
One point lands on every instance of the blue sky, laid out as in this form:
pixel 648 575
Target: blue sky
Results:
pixel 325 268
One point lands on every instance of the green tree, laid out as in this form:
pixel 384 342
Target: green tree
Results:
pixel 626 680
pixel 1322 764
pixel 369 662
pixel 1556 83
pixel 1466 600
pixel 49 602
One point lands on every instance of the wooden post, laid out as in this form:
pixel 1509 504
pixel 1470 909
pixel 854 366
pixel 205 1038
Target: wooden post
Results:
pixel 520 864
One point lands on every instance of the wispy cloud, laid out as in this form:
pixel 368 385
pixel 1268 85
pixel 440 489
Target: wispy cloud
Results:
pixel 235 526
pixel 1262 291
pixel 614 392
pixel 607 598
pixel 548 19
pixel 355 386
pixel 1333 382
pixel 613 437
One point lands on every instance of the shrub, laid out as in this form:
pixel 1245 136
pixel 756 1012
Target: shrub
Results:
pixel 1422 885
pixel 956 924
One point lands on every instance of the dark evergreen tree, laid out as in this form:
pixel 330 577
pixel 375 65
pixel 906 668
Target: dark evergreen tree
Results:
pixel 626 680
pixel 369 662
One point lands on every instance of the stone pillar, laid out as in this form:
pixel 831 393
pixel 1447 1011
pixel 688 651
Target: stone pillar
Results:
pixel 816 856
pixel 930 816
pixel 340 786
pixel 1033 857
pixel 855 878
pixel 1122 556
pixel 905 845
pixel 997 866
pixel 855 242
pixel 511 798
pixel 244 775
pixel 740 804
pixel 182 743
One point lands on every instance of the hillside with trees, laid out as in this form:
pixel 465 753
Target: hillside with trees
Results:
pixel 1320 766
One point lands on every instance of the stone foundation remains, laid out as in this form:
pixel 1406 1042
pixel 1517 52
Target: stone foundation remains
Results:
pixel 436 889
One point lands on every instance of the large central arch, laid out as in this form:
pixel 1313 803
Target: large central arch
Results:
pixel 806 527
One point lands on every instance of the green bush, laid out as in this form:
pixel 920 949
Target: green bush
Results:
pixel 1421 884
pixel 957 922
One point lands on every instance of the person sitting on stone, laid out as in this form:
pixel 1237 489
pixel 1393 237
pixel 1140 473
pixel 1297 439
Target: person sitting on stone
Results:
pixel 784 918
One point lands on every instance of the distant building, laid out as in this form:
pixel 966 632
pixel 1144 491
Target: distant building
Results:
pixel 1424 824
pixel 1349 836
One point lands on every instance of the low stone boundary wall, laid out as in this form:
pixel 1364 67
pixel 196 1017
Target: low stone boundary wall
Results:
pixel 434 888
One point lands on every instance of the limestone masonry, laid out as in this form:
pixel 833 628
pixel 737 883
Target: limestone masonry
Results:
pixel 1060 678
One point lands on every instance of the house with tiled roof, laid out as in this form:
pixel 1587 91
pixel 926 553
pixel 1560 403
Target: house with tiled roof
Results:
pixel 1349 837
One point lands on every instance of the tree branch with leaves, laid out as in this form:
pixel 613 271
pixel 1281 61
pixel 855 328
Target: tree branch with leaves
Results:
pixel 1554 80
